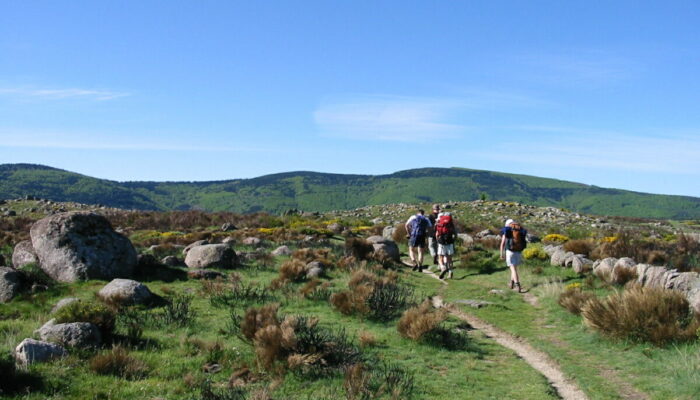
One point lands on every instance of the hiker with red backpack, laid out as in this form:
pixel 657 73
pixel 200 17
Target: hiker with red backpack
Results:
pixel 417 228
pixel 445 235
pixel 512 244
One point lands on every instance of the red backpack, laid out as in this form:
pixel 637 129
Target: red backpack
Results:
pixel 445 230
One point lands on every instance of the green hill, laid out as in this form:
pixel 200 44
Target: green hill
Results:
pixel 322 192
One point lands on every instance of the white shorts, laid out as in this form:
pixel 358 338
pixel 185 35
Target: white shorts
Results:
pixel 446 249
pixel 513 258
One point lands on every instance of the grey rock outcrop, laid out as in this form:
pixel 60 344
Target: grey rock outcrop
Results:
pixel 466 239
pixel 281 251
pixel 558 257
pixel 31 351
pixel 24 254
pixel 171 261
pixel 126 292
pixel 623 269
pixel 652 276
pixel 581 264
pixel 251 241
pixel 603 268
pixel 81 245
pixel 384 248
pixel 72 334
pixel 388 232
pixel 10 284
pixel 314 269
pixel 211 256
pixel 192 245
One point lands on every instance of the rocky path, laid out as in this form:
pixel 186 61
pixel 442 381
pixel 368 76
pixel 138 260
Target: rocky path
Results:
pixel 566 388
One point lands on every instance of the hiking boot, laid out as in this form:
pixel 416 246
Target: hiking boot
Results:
pixel 450 275
pixel 517 286
pixel 415 266
pixel 512 284
pixel 442 274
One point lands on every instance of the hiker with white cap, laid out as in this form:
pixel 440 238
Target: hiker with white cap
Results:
pixel 512 244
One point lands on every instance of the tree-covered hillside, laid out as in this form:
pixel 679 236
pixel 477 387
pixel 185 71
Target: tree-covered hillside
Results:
pixel 322 192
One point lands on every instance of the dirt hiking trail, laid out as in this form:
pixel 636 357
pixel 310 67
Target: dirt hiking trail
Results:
pixel 565 388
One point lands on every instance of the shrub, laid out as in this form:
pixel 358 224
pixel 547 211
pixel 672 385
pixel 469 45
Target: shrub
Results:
pixel 535 252
pixel 367 339
pixel 378 380
pixel 378 298
pixel 86 311
pixel 416 322
pixel 129 323
pixel 642 314
pixel 118 362
pixel 573 299
pixel 580 246
pixel 33 274
pixel 290 271
pixel 554 238
pixel 223 294
pixel 399 235
pixel 208 392
pixel 177 311
pixel 359 248
pixel 324 255
pixel 316 290
pixel 257 318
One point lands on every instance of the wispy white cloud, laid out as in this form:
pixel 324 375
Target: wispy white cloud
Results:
pixel 577 67
pixel 600 149
pixel 389 118
pixel 61 94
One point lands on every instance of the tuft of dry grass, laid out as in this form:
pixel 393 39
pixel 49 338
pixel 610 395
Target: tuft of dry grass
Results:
pixel 118 362
pixel 580 246
pixel 290 271
pixel 642 314
pixel 257 318
pixel 323 255
pixel 367 339
pixel 623 275
pixel 416 322
pixel 358 248
pixel 399 235
pixel 574 299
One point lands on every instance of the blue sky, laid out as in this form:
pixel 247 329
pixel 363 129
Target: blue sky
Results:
pixel 603 93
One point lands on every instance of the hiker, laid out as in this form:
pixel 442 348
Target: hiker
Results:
pixel 417 227
pixel 512 244
pixel 445 235
pixel 432 242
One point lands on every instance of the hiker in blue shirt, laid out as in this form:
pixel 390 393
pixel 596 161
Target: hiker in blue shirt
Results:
pixel 513 242
pixel 417 228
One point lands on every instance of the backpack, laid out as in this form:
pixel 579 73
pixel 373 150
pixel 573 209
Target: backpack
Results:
pixel 445 230
pixel 517 241
pixel 418 226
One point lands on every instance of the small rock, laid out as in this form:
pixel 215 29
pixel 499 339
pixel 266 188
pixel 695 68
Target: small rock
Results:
pixel 32 351
pixel 282 251
pixel 126 292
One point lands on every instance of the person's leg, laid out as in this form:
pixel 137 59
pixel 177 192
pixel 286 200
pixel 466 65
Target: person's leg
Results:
pixel 420 257
pixel 513 260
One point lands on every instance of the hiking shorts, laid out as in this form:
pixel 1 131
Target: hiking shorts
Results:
pixel 446 249
pixel 416 241
pixel 433 246
pixel 513 258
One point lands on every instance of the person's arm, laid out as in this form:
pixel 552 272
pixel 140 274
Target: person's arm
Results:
pixel 503 246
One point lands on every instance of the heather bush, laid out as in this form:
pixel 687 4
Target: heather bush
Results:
pixel 399 235
pixel 86 311
pixel 580 246
pixel 573 299
pixel 358 248
pixel 177 311
pixel 377 298
pixel 118 362
pixel 378 379
pixel 290 271
pixel 642 314
pixel 416 322
pixel 316 290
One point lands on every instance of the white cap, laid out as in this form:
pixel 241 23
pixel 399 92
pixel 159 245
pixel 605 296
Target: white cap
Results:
pixel 509 221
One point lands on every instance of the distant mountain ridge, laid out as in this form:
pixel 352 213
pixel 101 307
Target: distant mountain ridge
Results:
pixel 316 191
